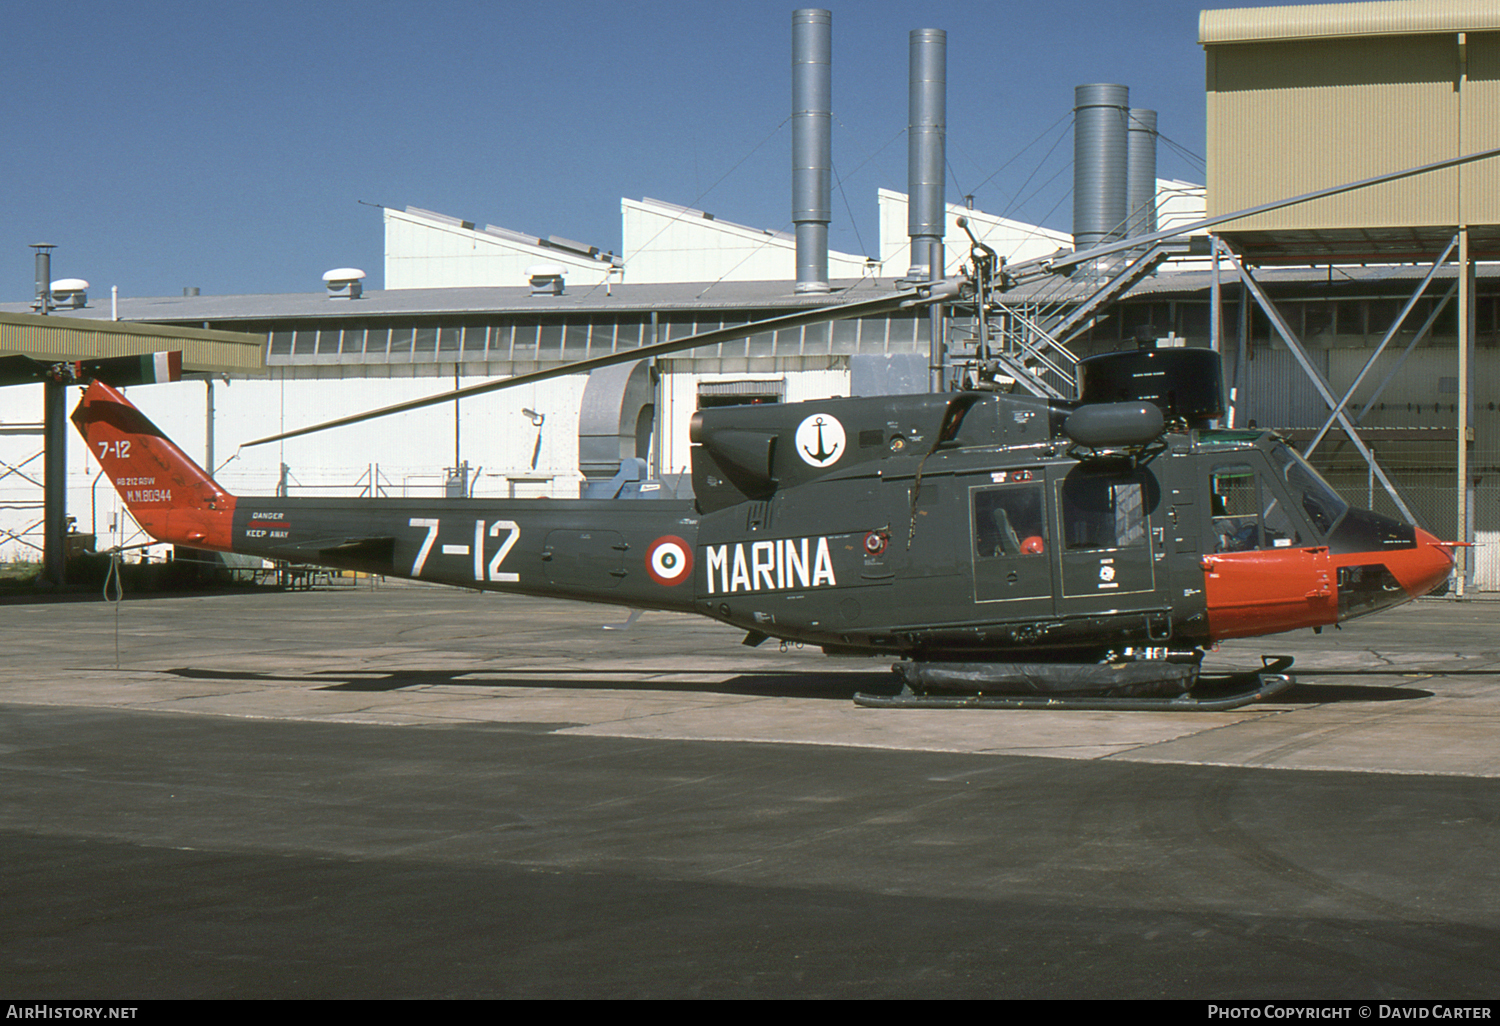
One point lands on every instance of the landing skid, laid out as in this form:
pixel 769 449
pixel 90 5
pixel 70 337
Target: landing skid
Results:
pixel 1247 688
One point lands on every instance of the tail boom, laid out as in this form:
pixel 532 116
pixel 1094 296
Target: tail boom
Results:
pixel 171 497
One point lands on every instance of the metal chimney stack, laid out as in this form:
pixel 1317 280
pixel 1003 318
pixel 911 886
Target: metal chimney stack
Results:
pixel 926 133
pixel 812 149
pixel 1141 172
pixel 42 303
pixel 1100 204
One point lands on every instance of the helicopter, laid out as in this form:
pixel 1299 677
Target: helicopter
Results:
pixel 1008 550
pixel 1011 548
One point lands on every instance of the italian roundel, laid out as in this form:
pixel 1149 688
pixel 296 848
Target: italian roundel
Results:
pixel 669 560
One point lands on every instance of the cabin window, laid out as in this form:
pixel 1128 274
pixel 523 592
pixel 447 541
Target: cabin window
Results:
pixel 1103 511
pixel 1009 522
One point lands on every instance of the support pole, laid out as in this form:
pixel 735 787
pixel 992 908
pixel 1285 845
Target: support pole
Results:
pixel 1465 340
pixel 208 426
pixel 1216 317
pixel 55 444
pixel 1216 307
pixel 55 484
pixel 1242 354
pixel 660 395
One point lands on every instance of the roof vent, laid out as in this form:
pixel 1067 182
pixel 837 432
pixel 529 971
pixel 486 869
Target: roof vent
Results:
pixel 344 282
pixel 70 292
pixel 546 279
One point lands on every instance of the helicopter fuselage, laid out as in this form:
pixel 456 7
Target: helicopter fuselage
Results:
pixel 965 526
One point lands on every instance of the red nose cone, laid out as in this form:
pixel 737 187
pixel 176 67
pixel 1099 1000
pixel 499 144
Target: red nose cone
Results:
pixel 1424 568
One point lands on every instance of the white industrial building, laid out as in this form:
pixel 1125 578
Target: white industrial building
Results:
pixel 428 250
pixel 667 243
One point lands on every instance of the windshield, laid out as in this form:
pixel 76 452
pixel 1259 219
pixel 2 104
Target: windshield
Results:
pixel 1321 503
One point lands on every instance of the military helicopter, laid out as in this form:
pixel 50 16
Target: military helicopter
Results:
pixel 1008 550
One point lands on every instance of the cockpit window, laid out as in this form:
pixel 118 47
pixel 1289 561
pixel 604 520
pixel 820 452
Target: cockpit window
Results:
pixel 1247 513
pixel 1321 503
pixel 1236 526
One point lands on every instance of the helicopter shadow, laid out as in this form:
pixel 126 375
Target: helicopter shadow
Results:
pixel 1333 694
pixel 841 687
pixel 1322 691
pixel 748 684
pixel 1315 692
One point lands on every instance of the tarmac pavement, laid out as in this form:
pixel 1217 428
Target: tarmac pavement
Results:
pixel 409 791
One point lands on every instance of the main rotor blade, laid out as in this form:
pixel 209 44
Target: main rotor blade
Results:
pixel 934 292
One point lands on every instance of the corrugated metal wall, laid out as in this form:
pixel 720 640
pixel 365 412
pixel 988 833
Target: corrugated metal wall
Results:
pixel 1367 18
pixel 1288 116
pixel 1481 127
pixel 1422 395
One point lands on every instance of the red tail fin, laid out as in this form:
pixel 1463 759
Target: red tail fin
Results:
pixel 168 494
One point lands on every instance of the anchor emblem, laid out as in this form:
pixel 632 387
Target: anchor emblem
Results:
pixel 820 440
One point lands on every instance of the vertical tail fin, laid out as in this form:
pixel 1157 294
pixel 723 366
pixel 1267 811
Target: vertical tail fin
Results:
pixel 169 495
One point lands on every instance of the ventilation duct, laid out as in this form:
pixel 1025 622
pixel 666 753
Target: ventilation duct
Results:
pixel 812 148
pixel 70 293
pixel 546 279
pixel 344 282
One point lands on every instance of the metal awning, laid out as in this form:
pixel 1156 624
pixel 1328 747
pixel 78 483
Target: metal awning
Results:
pixel 1390 245
pixel 78 338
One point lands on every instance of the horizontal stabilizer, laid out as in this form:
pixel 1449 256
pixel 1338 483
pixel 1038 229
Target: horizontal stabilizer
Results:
pixel 21 370
pixel 375 553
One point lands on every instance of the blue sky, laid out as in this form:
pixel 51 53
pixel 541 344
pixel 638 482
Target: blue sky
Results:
pixel 228 146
